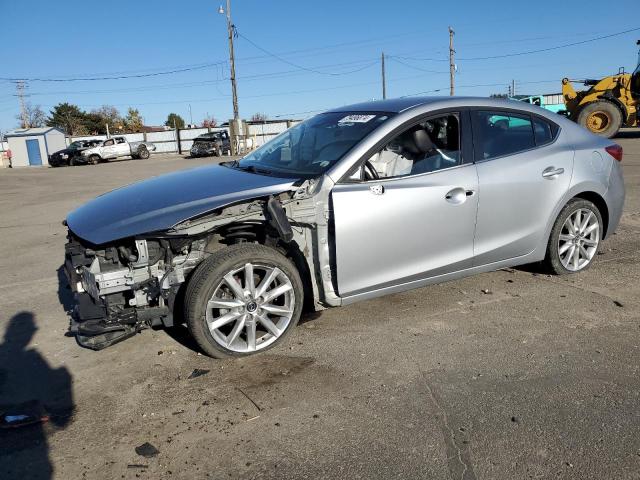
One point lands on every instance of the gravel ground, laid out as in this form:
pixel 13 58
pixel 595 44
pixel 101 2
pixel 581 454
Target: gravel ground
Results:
pixel 536 379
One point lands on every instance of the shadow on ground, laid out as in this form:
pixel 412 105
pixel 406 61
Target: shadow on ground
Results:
pixel 29 387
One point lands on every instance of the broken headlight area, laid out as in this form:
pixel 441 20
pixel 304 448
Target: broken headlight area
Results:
pixel 124 288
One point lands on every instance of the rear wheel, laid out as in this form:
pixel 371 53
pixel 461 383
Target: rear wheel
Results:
pixel 601 117
pixel 143 153
pixel 242 300
pixel 575 237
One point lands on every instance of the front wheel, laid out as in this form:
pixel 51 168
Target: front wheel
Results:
pixel 94 159
pixel 242 300
pixel 575 237
pixel 601 117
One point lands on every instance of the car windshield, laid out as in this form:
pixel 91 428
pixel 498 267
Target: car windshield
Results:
pixel 313 146
pixel 75 145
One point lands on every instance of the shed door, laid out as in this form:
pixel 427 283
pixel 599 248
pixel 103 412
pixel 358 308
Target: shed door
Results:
pixel 33 151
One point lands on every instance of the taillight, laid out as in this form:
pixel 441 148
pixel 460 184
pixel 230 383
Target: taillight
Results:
pixel 615 151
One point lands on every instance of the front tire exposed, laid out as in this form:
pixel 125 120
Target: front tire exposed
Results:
pixel 575 237
pixel 243 299
pixel 94 159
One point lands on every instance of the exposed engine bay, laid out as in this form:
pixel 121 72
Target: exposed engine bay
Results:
pixel 124 287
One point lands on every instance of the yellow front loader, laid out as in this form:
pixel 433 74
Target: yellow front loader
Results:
pixel 610 104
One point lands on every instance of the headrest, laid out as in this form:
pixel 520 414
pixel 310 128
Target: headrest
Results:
pixel 423 141
pixel 416 142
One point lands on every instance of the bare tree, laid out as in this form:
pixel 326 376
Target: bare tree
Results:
pixel 34 117
pixel 258 117
pixel 209 122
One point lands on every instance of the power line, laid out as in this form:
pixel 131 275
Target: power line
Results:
pixel 548 49
pixel 396 59
pixel 284 60
pixel 115 77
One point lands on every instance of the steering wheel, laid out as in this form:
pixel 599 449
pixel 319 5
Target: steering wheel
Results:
pixel 370 173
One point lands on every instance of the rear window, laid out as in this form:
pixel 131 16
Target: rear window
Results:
pixel 503 133
pixel 544 131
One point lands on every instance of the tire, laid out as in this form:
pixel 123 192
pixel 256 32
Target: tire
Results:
pixel 94 159
pixel 601 117
pixel 558 258
pixel 143 153
pixel 233 338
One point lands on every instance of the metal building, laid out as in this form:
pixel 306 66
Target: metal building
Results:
pixel 32 146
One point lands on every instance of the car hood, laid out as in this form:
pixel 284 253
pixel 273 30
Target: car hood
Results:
pixel 65 150
pixel 161 202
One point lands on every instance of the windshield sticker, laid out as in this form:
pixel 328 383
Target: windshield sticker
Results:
pixel 356 119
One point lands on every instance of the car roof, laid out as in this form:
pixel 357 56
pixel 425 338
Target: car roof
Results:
pixel 398 105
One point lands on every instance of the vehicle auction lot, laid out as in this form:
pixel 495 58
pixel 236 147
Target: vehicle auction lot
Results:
pixel 512 374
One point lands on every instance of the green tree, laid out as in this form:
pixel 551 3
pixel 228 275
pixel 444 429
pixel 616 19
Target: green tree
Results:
pixel 93 124
pixel 174 120
pixel 133 121
pixel 68 118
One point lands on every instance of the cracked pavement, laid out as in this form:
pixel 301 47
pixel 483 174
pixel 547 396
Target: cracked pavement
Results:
pixel 539 378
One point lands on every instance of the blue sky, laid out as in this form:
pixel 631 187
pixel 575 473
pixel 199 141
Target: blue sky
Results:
pixel 341 39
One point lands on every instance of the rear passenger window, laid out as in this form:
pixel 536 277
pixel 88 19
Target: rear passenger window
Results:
pixel 544 131
pixel 503 133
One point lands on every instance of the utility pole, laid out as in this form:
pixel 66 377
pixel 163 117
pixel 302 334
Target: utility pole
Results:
pixel 20 86
pixel 234 88
pixel 452 65
pixel 384 79
pixel 513 88
pixel 190 116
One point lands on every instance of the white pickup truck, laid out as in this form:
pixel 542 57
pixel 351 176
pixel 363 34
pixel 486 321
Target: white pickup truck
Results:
pixel 117 147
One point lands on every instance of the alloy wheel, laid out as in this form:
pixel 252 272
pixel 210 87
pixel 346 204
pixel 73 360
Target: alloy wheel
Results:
pixel 250 308
pixel 578 239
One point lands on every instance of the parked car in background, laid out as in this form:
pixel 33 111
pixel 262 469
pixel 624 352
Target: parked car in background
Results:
pixel 116 147
pixel 72 155
pixel 213 143
pixel 355 203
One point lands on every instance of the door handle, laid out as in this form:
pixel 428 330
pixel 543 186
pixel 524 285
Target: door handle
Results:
pixel 552 172
pixel 458 195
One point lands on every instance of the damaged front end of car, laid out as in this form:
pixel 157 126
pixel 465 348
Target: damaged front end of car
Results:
pixel 129 285
pixel 124 288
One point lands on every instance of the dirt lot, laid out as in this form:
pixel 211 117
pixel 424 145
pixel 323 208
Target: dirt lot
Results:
pixel 539 378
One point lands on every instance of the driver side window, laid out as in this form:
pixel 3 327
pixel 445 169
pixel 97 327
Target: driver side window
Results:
pixel 429 146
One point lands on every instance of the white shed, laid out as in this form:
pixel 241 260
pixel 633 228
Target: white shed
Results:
pixel 32 146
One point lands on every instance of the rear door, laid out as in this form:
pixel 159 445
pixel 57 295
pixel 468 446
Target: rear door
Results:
pixel 121 147
pixel 523 173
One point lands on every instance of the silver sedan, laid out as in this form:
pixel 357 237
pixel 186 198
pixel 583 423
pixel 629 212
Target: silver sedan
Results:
pixel 355 203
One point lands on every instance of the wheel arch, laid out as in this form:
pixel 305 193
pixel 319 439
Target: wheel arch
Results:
pixel 601 204
pixel 261 232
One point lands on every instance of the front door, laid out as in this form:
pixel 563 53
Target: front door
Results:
pixel 109 149
pixel 33 152
pixel 416 220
